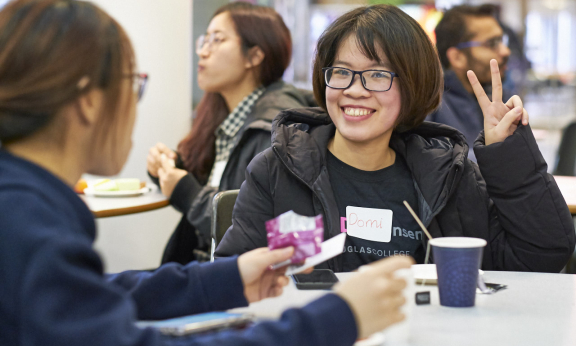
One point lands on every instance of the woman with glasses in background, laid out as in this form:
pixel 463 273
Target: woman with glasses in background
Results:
pixel 366 150
pixel 68 98
pixel 243 56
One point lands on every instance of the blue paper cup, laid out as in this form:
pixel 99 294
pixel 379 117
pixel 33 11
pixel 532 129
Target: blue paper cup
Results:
pixel 457 261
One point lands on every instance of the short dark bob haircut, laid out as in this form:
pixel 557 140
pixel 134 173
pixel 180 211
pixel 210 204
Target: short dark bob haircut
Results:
pixel 409 51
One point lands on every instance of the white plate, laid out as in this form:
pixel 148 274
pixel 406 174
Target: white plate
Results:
pixel 90 192
pixel 425 272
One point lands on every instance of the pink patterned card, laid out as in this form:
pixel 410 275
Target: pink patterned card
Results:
pixel 304 233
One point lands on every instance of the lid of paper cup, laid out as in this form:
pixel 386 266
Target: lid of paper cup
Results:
pixel 458 242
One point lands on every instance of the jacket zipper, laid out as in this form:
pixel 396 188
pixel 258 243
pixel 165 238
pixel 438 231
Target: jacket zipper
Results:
pixel 439 209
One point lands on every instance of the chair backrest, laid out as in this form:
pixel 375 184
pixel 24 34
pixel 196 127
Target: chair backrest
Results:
pixel 222 206
pixel 566 164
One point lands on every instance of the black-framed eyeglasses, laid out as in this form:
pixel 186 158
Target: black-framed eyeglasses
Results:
pixel 493 43
pixel 372 80
pixel 139 84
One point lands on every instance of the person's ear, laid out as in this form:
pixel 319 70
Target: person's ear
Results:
pixel 457 59
pixel 89 106
pixel 255 57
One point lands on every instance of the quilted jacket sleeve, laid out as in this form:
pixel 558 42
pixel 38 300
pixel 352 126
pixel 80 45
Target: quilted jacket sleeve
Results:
pixel 531 228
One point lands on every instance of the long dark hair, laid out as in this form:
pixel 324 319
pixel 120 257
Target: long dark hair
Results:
pixel 410 53
pixel 46 48
pixel 257 26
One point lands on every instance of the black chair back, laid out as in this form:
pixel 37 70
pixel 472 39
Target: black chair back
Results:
pixel 222 206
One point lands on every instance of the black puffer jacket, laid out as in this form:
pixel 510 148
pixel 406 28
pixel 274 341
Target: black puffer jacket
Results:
pixel 194 200
pixel 513 204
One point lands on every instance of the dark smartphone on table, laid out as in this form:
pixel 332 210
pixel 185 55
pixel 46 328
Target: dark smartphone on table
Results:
pixel 319 279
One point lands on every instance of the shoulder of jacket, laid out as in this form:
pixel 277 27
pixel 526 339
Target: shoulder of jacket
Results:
pixel 259 165
pixel 260 124
pixel 280 95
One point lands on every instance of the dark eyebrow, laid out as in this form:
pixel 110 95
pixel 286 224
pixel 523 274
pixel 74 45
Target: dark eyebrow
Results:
pixel 338 62
pixel 373 66
pixel 495 37
pixel 501 34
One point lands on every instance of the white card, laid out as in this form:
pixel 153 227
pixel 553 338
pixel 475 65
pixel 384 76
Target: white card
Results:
pixel 330 248
pixel 217 172
pixel 369 223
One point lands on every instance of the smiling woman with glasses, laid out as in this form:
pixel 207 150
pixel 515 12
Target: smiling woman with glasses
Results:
pixel 367 149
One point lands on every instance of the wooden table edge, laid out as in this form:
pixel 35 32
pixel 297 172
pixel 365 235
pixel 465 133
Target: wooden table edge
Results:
pixel 130 210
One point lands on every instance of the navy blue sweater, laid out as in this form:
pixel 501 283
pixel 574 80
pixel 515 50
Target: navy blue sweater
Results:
pixel 53 290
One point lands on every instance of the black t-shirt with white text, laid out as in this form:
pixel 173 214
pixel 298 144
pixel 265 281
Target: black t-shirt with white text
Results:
pixel 383 189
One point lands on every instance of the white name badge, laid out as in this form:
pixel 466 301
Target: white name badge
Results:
pixel 217 172
pixel 369 224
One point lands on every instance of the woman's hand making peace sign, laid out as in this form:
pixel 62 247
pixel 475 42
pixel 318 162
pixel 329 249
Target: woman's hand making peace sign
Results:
pixel 500 119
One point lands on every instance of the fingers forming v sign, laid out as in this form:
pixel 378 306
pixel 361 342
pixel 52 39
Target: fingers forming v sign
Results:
pixel 500 119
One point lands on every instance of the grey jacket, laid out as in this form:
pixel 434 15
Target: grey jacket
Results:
pixel 194 200
pixel 509 200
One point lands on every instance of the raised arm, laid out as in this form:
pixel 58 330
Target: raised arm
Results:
pixel 530 225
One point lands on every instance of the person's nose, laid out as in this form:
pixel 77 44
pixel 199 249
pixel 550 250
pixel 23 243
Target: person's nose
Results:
pixel 504 50
pixel 204 51
pixel 357 90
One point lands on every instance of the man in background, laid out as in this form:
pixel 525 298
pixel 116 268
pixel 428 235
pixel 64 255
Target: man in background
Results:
pixel 467 38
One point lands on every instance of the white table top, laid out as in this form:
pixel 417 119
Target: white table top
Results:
pixel 567 186
pixel 535 309
pixel 115 206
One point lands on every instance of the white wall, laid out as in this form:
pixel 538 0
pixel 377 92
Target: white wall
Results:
pixel 161 32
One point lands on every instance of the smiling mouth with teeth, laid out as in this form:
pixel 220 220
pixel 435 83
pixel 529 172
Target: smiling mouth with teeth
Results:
pixel 357 112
